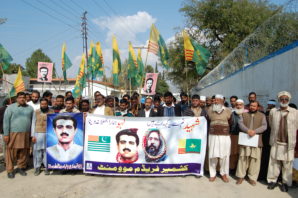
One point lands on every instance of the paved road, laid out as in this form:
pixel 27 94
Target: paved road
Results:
pixel 79 185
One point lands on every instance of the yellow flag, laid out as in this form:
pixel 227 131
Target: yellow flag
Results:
pixel 188 48
pixel 153 42
pixel 19 83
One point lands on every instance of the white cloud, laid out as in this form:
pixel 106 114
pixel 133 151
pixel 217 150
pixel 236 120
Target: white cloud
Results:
pixel 125 27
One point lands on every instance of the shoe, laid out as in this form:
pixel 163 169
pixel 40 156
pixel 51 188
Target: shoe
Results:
pixel 252 182
pixel 225 178
pixel 271 186
pixel 239 181
pixel 37 171
pixel 10 175
pixel 46 172
pixel 22 171
pixel 212 179
pixel 284 188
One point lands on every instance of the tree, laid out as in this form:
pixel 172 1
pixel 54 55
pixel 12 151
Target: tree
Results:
pixel 32 62
pixel 13 69
pixel 222 24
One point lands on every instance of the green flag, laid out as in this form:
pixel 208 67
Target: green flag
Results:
pixel 81 80
pixel 200 57
pixel 5 58
pixel 116 62
pixel 66 63
pixel 158 46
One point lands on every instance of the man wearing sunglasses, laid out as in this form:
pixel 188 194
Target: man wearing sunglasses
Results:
pixel 66 150
pixel 284 124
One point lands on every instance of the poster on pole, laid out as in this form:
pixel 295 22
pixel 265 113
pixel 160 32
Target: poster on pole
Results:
pixel 44 72
pixel 65 141
pixel 150 84
pixel 160 146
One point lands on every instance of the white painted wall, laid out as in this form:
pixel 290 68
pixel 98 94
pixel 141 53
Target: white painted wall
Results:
pixel 278 72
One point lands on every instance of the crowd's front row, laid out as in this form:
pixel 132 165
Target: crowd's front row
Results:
pixel 27 118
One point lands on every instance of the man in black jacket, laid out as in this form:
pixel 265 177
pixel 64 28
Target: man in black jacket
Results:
pixel 148 111
pixel 169 108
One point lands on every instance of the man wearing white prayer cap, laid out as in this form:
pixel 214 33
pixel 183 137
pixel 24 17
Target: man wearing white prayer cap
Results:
pixel 202 102
pixel 238 111
pixel 219 144
pixel 284 124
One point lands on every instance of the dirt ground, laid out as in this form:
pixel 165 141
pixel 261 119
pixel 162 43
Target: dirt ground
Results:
pixel 76 184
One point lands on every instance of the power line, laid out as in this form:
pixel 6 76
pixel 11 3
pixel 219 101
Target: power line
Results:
pixel 44 12
pixel 44 41
pixel 54 10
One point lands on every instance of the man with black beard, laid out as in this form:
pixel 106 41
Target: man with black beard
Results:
pixel 155 147
pixel 254 124
pixel 38 134
pixel 252 97
pixel 59 104
pixel 34 103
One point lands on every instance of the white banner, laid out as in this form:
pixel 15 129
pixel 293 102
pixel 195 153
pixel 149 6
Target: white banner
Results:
pixel 160 146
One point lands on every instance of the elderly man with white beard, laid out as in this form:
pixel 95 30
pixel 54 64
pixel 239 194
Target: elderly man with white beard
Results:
pixel 219 138
pixel 238 110
pixel 284 124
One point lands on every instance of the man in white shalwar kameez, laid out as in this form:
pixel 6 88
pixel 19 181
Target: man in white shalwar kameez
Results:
pixel 219 139
pixel 284 124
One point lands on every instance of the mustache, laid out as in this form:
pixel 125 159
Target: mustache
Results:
pixel 127 149
pixel 64 133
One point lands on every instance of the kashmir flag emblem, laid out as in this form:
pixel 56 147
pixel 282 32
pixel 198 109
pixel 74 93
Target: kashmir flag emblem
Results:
pixel 99 143
pixel 18 84
pixel 189 146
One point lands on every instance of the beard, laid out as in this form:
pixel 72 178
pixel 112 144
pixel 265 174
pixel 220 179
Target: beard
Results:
pixel 152 150
pixel 217 108
pixel 284 105
pixel 44 109
pixel 239 111
pixel 35 101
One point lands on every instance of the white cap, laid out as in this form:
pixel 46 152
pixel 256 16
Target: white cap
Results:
pixel 284 93
pixel 219 96
pixel 203 98
pixel 239 101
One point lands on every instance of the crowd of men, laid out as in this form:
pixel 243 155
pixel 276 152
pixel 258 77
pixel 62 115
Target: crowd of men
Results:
pixel 24 124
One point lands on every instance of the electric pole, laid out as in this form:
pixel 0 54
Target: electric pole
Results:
pixel 85 47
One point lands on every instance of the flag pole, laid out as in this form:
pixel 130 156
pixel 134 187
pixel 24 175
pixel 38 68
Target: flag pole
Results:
pixel 6 81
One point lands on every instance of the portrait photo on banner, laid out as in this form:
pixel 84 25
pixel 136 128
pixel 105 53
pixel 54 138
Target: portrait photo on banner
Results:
pixel 44 72
pixel 136 146
pixel 150 84
pixel 65 141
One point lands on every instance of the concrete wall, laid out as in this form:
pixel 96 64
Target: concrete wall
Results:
pixel 273 73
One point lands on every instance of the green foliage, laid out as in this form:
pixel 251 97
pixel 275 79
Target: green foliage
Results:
pixel 184 76
pixel 224 23
pixel 13 69
pixel 162 85
pixel 32 63
pixel 149 69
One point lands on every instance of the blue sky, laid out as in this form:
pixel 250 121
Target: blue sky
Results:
pixel 33 24
pixel 46 24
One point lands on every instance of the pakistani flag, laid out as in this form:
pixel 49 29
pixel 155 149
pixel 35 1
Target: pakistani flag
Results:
pixel 5 58
pixel 99 143
pixel 189 146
